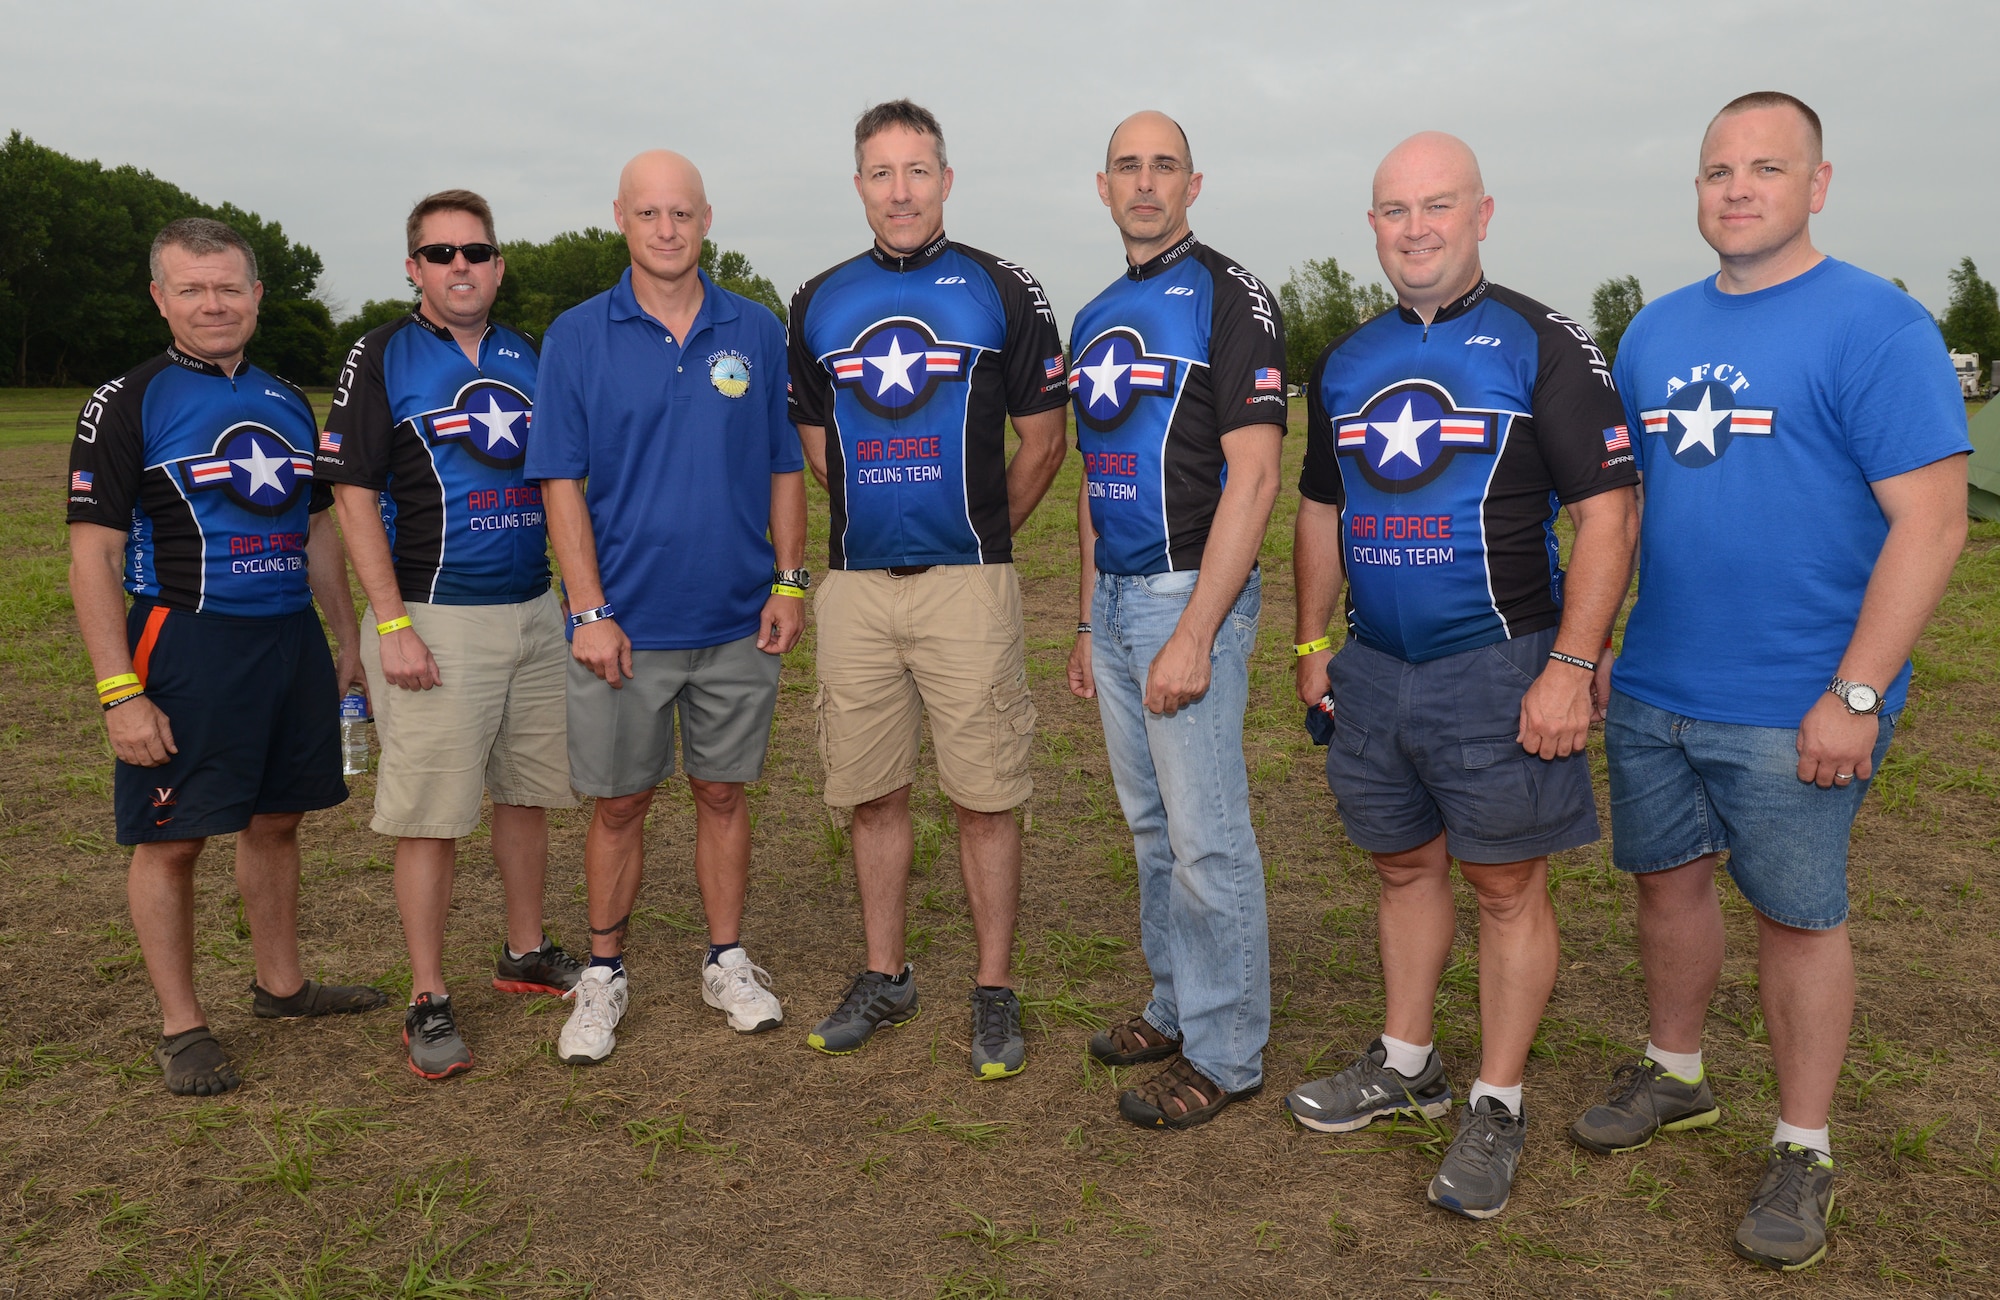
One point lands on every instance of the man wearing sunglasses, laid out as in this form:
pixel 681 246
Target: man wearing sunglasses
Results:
pixel 463 643
pixel 681 558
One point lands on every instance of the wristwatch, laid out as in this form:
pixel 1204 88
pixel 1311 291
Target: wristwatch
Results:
pixel 800 578
pixel 1859 697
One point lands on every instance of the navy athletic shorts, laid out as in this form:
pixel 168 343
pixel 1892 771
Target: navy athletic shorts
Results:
pixel 255 715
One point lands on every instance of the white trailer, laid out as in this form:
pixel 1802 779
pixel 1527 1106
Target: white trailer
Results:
pixel 1967 366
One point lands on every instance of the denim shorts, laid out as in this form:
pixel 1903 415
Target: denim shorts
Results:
pixel 1682 788
pixel 1423 748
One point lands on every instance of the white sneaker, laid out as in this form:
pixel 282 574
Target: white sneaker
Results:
pixel 739 986
pixel 587 1036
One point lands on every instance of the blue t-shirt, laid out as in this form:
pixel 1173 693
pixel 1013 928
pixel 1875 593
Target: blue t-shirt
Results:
pixel 1760 420
pixel 912 366
pixel 1176 353
pixel 679 439
pixel 443 441
pixel 210 477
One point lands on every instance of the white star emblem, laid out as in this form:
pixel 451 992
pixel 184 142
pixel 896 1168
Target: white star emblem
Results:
pixel 1699 425
pixel 499 424
pixel 263 470
pixel 1104 379
pixel 1400 437
pixel 895 367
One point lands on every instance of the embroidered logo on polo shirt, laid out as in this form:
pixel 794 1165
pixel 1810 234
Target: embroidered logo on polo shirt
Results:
pixel 729 371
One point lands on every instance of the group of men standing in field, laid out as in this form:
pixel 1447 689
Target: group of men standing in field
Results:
pixel 1790 406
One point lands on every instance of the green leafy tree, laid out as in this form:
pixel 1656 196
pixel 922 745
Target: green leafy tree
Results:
pixel 74 235
pixel 546 279
pixel 1321 302
pixel 1612 308
pixel 376 311
pixel 1972 318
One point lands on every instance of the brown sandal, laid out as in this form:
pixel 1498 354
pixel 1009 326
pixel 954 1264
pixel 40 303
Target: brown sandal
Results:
pixel 1179 1096
pixel 1135 1042
pixel 195 1064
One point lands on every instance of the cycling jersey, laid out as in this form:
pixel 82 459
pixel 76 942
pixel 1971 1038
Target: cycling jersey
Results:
pixel 443 441
pixel 1449 449
pixel 211 478
pixel 912 366
pixel 1176 353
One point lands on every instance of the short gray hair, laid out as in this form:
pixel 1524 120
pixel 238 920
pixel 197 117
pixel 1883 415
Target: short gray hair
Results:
pixel 199 236
pixel 898 112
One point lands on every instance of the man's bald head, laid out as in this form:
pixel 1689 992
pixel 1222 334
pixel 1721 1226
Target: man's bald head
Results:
pixel 663 170
pixel 1430 161
pixel 1143 133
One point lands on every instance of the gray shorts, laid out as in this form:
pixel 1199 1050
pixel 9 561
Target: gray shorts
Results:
pixel 622 741
pixel 1423 748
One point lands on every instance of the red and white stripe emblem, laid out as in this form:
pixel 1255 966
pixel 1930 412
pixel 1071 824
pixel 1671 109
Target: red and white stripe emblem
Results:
pixel 847 368
pixel 1152 373
pixel 1656 421
pixel 1745 420
pixel 1461 430
pixel 1353 435
pixel 941 363
pixel 460 423
pixel 302 466
pixel 209 471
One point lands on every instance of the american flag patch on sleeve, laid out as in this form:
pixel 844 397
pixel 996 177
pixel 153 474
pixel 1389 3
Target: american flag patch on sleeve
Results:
pixel 1268 379
pixel 80 480
pixel 1616 438
pixel 1053 367
pixel 329 442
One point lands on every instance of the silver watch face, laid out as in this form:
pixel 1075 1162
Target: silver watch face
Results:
pixel 1862 699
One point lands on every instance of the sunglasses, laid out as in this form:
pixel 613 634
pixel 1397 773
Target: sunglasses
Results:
pixel 441 254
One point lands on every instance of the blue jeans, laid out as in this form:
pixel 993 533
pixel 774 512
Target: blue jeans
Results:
pixel 1682 788
pixel 1186 796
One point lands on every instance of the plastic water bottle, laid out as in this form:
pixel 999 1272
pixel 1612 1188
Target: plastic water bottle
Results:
pixel 355 724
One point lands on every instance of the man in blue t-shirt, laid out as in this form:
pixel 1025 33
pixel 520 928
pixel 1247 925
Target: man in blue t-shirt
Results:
pixel 1178 383
pixel 1802 440
pixel 191 488
pixel 424 446
pixel 683 571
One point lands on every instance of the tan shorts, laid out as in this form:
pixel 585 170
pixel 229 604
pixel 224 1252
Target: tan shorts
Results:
pixel 496 723
pixel 947 643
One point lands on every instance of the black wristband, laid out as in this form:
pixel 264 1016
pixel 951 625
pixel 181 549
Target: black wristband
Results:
pixel 1083 629
pixel 1573 661
pixel 135 695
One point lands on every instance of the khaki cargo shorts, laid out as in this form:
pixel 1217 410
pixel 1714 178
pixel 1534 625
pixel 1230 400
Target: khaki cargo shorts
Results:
pixel 496 723
pixel 947 643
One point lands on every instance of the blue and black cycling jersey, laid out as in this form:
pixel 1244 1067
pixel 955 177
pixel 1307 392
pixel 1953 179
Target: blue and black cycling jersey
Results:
pixel 912 366
pixel 210 476
pixel 443 441
pixel 1450 448
pixel 1176 353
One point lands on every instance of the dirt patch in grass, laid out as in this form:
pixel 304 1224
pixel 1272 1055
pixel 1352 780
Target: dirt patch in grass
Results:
pixel 697 1162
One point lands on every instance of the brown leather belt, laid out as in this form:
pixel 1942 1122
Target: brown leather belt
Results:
pixel 908 570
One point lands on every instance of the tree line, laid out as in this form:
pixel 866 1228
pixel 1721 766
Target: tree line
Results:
pixel 73 304
pixel 74 238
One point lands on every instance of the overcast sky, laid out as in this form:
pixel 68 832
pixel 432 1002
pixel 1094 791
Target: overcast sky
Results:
pixel 1586 118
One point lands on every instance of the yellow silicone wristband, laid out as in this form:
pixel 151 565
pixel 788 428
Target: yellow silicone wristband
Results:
pixel 1313 647
pixel 393 625
pixel 786 589
pixel 113 683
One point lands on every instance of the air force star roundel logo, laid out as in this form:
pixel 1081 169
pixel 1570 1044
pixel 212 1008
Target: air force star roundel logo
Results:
pixel 254 467
pixel 1409 433
pixel 488 419
pixel 897 364
pixel 1111 373
pixel 1700 421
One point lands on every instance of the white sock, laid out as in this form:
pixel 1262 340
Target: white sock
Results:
pixel 1508 1097
pixel 1406 1059
pixel 1685 1066
pixel 1812 1139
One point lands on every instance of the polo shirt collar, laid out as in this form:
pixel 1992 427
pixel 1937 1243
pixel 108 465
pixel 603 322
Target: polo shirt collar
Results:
pixel 1154 265
pixel 717 306
pixel 200 367
pixel 916 261
pixel 440 332
pixel 1456 307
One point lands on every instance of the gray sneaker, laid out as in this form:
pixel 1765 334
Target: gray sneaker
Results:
pixel 998 1049
pixel 871 1001
pixel 1478 1170
pixel 1645 1101
pixel 1367 1090
pixel 1785 1226
pixel 430 1032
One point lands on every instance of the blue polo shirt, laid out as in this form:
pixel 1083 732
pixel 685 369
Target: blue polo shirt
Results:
pixel 678 439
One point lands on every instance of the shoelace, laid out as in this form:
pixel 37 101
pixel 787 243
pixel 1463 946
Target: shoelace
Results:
pixel 593 1000
pixel 991 1031
pixel 748 978
pixel 1795 1166
pixel 434 1022
pixel 856 998
pixel 1627 1082
pixel 1476 1143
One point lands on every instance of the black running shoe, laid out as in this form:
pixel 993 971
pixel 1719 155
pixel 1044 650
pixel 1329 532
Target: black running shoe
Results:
pixel 548 969
pixel 430 1032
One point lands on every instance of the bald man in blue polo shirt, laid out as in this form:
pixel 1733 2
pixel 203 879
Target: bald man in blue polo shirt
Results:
pixel 681 561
